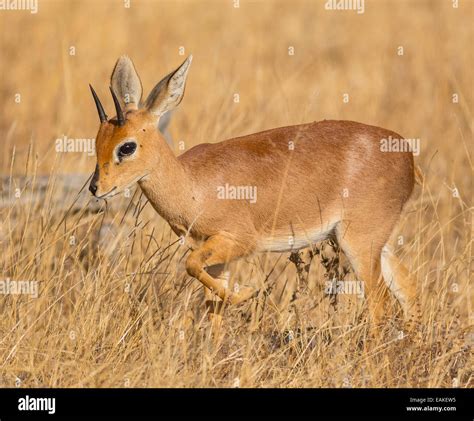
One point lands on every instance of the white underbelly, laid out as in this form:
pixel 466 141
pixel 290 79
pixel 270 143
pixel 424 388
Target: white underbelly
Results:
pixel 288 242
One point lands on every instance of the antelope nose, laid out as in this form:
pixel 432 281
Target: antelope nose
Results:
pixel 93 188
pixel 95 178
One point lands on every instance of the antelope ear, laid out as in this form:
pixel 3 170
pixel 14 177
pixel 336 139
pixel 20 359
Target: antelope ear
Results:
pixel 126 84
pixel 169 92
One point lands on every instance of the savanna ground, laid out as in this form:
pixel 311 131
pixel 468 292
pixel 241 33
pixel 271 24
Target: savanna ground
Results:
pixel 115 306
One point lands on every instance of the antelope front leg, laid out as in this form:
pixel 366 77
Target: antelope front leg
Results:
pixel 214 305
pixel 217 250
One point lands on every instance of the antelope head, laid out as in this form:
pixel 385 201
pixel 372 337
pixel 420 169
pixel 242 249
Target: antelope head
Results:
pixel 129 146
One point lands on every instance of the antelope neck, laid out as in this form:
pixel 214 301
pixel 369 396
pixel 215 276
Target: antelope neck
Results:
pixel 169 188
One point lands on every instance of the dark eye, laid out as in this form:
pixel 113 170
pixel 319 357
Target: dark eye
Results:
pixel 127 149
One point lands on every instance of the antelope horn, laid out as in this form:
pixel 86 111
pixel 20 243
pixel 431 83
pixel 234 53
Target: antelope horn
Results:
pixel 118 108
pixel 100 109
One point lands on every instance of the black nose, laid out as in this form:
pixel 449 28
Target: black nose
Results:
pixel 93 188
pixel 93 184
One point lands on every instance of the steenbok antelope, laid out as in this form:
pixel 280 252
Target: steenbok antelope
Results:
pixel 299 184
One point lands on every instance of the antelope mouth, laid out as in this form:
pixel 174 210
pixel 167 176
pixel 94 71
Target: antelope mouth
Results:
pixel 115 190
pixel 108 194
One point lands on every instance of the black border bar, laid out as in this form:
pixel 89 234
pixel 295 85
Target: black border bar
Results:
pixel 243 404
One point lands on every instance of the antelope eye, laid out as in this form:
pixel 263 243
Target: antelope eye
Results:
pixel 127 149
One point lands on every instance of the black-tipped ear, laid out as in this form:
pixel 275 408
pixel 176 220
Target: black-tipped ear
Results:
pixel 169 92
pixel 126 83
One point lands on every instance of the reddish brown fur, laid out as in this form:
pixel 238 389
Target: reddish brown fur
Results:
pixel 334 179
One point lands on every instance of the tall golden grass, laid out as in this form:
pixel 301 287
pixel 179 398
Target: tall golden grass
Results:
pixel 115 306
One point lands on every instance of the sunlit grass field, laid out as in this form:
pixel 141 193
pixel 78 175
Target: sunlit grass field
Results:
pixel 114 305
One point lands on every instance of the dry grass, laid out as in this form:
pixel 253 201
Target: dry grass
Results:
pixel 115 307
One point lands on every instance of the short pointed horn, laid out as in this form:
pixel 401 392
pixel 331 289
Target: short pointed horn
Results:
pixel 100 109
pixel 118 108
